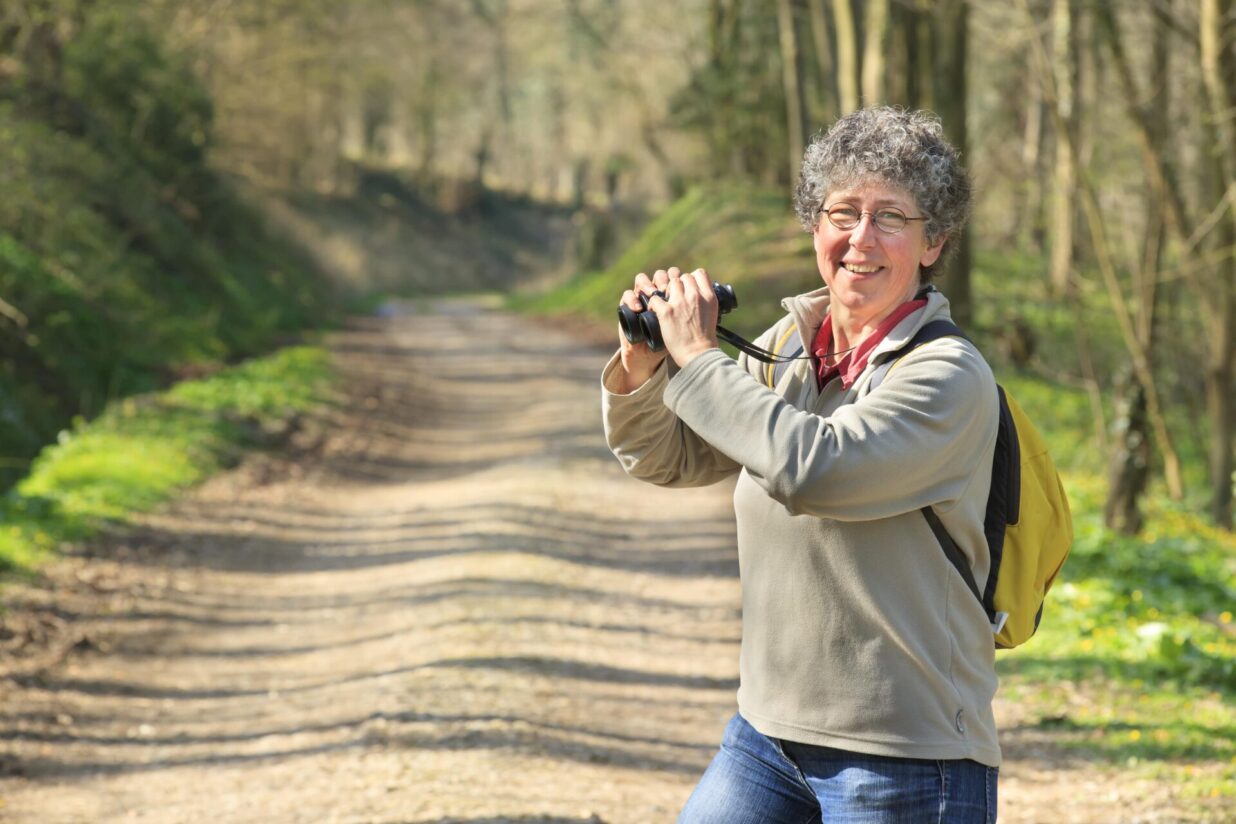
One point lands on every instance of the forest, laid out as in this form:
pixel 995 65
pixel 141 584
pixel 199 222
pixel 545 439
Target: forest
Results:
pixel 188 186
pixel 1099 136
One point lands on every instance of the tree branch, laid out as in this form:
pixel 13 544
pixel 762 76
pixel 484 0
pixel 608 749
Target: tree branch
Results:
pixel 1107 267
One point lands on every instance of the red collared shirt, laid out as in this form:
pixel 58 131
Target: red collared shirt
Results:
pixel 853 363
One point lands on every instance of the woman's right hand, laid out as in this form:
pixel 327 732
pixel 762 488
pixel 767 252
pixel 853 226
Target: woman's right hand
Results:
pixel 638 361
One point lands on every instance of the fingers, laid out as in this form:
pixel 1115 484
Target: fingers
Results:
pixel 697 284
pixel 675 287
pixel 644 284
pixel 663 277
pixel 662 281
pixel 671 281
pixel 703 283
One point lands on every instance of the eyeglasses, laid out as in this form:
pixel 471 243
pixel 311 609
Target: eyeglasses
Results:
pixel 888 219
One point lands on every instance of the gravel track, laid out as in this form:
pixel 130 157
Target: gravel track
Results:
pixel 443 602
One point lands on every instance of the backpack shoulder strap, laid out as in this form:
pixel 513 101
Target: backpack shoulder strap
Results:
pixel 955 556
pixel 927 332
pixel 774 371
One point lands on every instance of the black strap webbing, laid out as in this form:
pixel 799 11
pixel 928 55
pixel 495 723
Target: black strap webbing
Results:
pixel 953 553
pixel 928 332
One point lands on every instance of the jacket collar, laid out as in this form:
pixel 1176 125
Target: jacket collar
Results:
pixel 809 309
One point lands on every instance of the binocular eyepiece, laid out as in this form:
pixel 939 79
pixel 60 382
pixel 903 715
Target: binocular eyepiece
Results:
pixel 643 326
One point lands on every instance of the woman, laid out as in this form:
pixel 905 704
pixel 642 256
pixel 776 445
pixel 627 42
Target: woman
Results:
pixel 867 666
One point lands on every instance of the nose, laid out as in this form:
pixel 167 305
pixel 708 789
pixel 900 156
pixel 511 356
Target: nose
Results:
pixel 864 234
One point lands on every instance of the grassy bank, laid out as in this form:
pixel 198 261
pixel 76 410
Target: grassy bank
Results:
pixel 1135 664
pixel 126 261
pixel 142 450
pixel 743 236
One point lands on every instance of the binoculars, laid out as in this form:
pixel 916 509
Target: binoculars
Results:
pixel 642 326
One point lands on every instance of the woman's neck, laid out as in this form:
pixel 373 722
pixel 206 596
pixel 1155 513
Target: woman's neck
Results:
pixel 851 328
pixel 849 331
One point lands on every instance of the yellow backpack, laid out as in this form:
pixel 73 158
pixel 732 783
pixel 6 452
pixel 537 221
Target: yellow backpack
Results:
pixel 1028 526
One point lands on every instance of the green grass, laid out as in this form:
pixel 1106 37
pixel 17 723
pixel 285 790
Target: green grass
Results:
pixel 742 235
pixel 141 451
pixel 125 256
pixel 1134 666
pixel 1143 627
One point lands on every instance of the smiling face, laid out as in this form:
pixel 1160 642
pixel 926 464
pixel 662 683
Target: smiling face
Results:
pixel 868 271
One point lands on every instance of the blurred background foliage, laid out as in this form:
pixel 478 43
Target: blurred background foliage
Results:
pixel 126 261
pixel 186 180
pixel 187 184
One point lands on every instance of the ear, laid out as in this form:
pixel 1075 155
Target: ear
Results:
pixel 932 254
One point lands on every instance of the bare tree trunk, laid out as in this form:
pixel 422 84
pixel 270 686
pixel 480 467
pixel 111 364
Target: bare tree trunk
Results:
pixel 1220 378
pixel 481 157
pixel 847 56
pixel 874 49
pixel 1086 95
pixel 792 82
pixel 1212 286
pixel 951 24
pixel 495 18
pixel 897 73
pixel 1032 161
pixel 1107 268
pixel 1158 102
pixel 922 92
pixel 1083 101
pixel 1216 29
pixel 1064 192
pixel 1164 187
pixel 1130 463
pixel 1162 175
pixel 818 14
pixel 427 120
pixel 905 76
pixel 722 42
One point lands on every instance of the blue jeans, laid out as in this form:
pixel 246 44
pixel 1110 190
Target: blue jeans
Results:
pixel 755 779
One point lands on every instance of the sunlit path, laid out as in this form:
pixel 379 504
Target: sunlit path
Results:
pixel 451 606
pixel 445 603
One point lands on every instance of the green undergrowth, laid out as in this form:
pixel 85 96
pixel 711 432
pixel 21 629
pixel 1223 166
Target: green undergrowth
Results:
pixel 741 235
pixel 126 261
pixel 142 450
pixel 1075 338
pixel 1134 665
pixel 1135 661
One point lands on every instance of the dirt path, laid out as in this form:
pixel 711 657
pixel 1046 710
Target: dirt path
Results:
pixel 444 604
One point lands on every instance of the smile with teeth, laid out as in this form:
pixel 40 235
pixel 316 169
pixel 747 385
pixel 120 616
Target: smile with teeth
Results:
pixel 859 269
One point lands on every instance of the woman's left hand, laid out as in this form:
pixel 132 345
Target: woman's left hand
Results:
pixel 689 318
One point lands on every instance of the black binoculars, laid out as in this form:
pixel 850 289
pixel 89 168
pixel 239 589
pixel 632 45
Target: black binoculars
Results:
pixel 642 326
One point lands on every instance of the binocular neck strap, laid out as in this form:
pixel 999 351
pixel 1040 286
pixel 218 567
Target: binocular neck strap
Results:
pixel 743 345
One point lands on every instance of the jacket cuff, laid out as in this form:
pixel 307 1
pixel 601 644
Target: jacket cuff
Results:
pixel 647 393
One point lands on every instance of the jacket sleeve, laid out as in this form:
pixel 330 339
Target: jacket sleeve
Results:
pixel 650 441
pixel 918 440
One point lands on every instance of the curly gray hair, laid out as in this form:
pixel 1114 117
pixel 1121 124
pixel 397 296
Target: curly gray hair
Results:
pixel 894 146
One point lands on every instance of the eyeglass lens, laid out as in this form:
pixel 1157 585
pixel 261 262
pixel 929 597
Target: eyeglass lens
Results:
pixel 889 219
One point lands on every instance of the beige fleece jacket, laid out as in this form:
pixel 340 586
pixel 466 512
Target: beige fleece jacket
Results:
pixel 857 633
